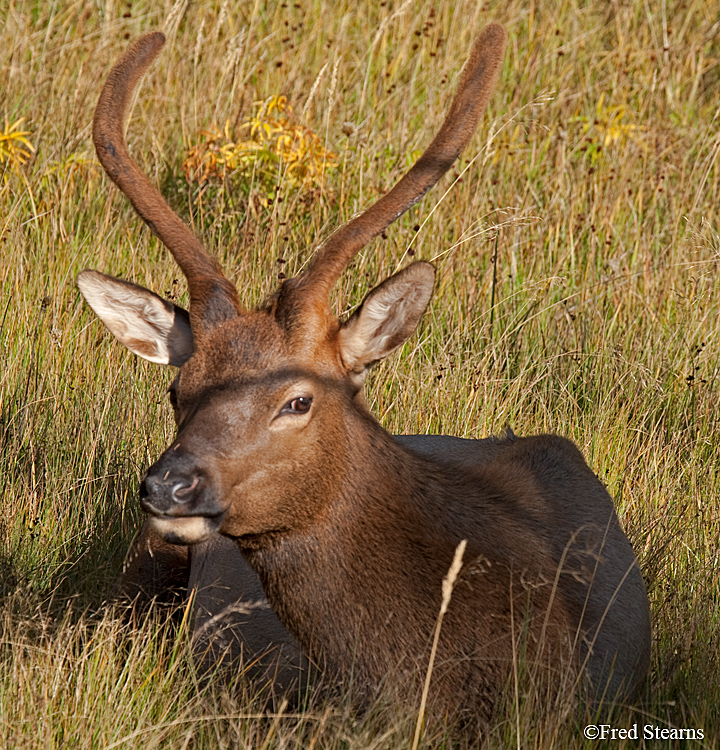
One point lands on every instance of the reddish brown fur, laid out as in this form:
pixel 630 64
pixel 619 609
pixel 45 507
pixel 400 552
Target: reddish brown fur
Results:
pixel 351 530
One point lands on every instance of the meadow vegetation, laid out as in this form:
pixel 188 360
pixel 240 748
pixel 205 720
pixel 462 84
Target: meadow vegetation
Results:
pixel 578 248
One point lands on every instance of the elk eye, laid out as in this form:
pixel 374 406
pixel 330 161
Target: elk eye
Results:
pixel 299 405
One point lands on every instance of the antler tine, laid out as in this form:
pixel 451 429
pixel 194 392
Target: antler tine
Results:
pixel 212 296
pixel 476 85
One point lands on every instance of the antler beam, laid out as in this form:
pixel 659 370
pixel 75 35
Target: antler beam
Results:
pixel 476 85
pixel 212 296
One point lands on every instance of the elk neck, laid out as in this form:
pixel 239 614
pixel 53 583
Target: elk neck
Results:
pixel 361 588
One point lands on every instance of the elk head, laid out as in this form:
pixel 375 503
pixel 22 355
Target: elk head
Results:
pixel 265 400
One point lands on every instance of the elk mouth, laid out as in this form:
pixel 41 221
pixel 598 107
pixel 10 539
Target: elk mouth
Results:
pixel 186 529
pixel 180 502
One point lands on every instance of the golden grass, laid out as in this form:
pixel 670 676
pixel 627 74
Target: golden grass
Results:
pixel 578 250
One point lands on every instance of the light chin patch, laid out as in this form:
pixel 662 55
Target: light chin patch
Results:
pixel 189 530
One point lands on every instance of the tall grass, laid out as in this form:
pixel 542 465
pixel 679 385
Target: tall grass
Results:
pixel 578 249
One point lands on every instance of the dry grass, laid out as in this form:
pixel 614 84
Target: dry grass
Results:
pixel 579 292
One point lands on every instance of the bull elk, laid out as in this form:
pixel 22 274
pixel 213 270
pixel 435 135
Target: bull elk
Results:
pixel 283 485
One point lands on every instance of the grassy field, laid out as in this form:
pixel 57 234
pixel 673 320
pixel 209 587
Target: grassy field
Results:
pixel 578 250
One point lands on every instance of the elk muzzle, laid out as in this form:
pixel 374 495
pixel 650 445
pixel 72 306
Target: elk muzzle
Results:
pixel 178 496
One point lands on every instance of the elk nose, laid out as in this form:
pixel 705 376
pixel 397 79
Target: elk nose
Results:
pixel 164 492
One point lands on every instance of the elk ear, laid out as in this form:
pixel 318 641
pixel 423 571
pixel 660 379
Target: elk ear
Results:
pixel 146 324
pixel 387 317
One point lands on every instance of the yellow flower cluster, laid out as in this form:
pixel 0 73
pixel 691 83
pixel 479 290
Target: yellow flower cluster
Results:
pixel 15 148
pixel 272 150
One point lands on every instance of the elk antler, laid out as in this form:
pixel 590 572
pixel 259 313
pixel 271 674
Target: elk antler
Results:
pixel 212 296
pixel 476 85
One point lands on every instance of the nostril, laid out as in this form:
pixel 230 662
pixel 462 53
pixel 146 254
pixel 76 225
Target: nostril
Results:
pixel 144 492
pixel 182 491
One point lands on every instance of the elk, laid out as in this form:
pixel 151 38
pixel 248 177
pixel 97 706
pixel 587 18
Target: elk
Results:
pixel 281 484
